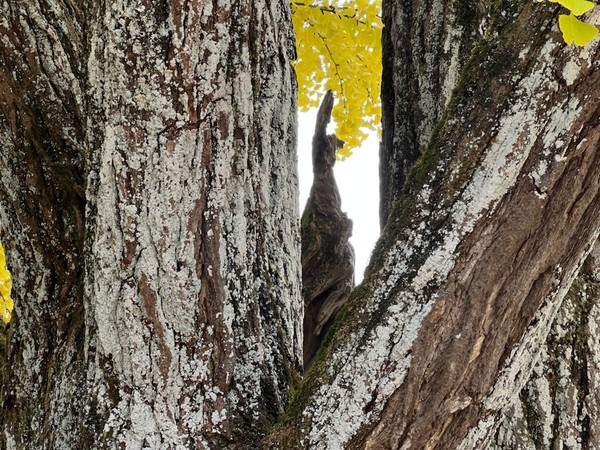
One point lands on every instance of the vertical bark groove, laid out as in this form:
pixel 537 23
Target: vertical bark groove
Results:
pixel 558 406
pixel 194 190
pixel 425 45
pixel 42 218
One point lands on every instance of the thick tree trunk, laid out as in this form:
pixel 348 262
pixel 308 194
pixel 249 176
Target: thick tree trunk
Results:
pixel 171 126
pixel 559 405
pixel 491 201
pixel 148 202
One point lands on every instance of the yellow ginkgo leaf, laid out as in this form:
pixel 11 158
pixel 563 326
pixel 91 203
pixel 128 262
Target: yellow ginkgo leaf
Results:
pixel 339 48
pixel 577 7
pixel 576 31
pixel 8 305
pixel 6 302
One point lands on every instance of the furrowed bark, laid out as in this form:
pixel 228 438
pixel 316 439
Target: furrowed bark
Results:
pixel 425 46
pixel 480 246
pixel 42 184
pixel 559 405
pixel 183 330
pixel 192 292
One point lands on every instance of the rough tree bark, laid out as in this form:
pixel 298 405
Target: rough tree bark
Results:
pixel 149 204
pixel 490 202
pixel 148 201
pixel 42 135
pixel 559 407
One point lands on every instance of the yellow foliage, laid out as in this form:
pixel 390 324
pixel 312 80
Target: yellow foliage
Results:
pixel 6 302
pixel 577 7
pixel 339 48
pixel 574 30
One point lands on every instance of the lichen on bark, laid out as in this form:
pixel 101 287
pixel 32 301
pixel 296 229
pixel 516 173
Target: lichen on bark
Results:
pixel 206 294
pixel 468 281
pixel 158 139
pixel 558 407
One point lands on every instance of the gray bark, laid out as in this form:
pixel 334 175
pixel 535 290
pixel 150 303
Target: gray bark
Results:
pixel 559 406
pixel 490 203
pixel 149 205
pixel 42 184
pixel 425 46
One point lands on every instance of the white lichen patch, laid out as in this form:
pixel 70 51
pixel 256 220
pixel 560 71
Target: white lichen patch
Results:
pixel 452 50
pixel 495 175
pixel 195 290
pixel 571 72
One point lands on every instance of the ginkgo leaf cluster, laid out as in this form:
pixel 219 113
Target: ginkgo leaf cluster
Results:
pixel 574 30
pixel 6 302
pixel 339 48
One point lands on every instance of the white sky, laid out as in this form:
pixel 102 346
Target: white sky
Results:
pixel 358 181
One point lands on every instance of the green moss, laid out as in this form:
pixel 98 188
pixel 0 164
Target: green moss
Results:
pixel 440 148
pixel 532 420
pixel 468 94
pixel 294 381
pixel 466 13
pixel 343 322
pixel 286 431
pixel 403 212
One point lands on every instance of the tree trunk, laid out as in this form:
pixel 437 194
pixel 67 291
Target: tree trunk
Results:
pixel 42 203
pixel 148 200
pixel 149 204
pixel 490 202
pixel 559 405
